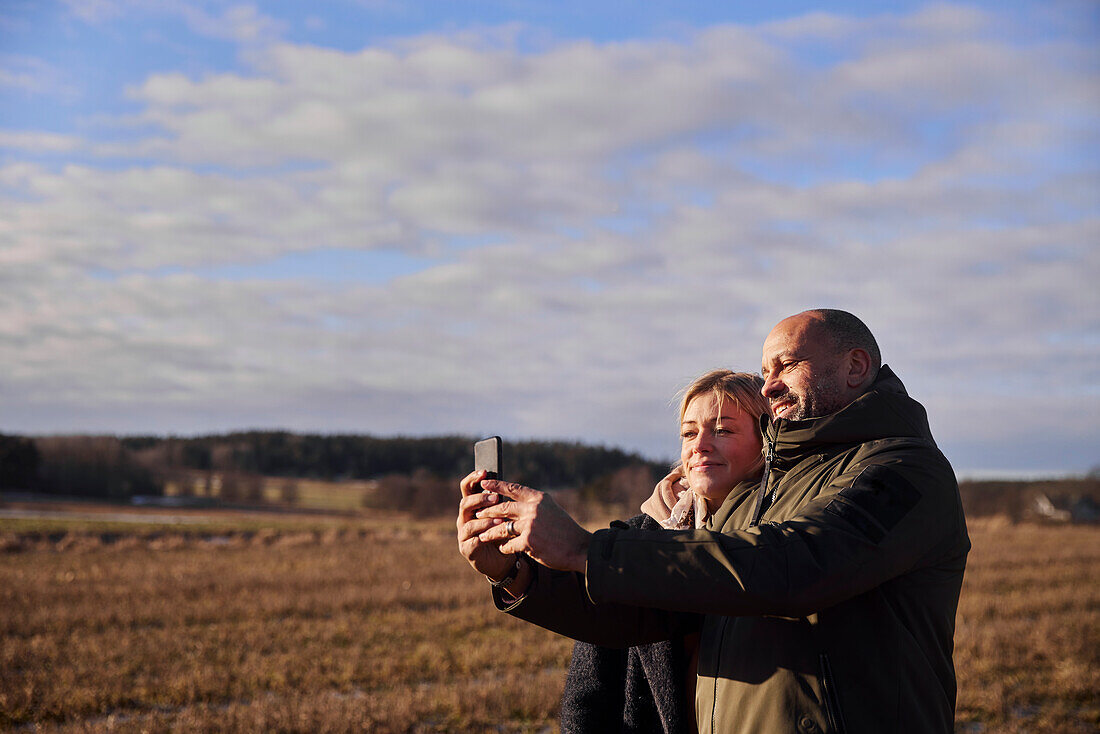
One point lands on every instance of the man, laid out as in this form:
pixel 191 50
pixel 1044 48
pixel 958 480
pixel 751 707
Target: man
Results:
pixel 829 597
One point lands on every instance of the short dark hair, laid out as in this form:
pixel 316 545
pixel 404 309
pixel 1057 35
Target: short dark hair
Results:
pixel 848 332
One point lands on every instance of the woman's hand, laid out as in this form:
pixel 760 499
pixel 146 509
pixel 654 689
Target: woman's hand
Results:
pixel 665 495
pixel 531 522
pixel 485 556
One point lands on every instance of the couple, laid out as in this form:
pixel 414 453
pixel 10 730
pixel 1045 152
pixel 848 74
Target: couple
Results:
pixel 822 593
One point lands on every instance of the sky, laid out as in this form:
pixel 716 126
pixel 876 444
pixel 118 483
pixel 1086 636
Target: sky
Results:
pixel 541 220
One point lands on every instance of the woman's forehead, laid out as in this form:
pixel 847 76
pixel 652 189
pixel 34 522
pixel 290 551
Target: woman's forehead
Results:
pixel 711 405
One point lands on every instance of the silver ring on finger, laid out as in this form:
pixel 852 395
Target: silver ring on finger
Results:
pixel 511 528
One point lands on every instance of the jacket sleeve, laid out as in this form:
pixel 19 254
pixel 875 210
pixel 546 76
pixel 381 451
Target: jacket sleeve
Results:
pixel 894 512
pixel 558 601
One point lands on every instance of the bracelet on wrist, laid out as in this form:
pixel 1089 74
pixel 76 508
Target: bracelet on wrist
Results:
pixel 510 576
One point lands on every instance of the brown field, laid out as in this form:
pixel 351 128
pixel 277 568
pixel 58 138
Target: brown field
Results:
pixel 337 624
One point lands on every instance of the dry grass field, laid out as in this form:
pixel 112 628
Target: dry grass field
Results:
pixel 378 625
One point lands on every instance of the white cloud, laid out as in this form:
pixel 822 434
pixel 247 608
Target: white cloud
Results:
pixel 32 75
pixel 94 11
pixel 241 23
pixel 34 142
pixel 599 223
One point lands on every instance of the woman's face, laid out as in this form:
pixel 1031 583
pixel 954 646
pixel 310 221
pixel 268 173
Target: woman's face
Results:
pixel 720 446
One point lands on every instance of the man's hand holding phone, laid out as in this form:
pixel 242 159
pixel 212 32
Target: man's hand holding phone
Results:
pixel 528 521
pixel 485 557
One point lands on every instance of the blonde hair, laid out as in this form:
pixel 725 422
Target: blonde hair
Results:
pixel 743 388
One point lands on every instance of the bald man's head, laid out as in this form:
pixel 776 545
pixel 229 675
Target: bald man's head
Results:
pixel 847 332
pixel 816 362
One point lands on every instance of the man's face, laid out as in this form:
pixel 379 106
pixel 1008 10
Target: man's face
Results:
pixel 803 376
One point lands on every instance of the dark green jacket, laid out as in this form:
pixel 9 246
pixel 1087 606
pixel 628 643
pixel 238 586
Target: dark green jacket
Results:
pixel 834 611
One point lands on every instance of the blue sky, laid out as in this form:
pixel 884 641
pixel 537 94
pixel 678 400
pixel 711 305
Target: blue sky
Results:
pixel 541 220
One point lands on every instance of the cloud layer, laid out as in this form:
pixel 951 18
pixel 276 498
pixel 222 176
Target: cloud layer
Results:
pixel 582 227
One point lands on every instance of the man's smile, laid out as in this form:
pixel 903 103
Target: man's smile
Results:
pixel 780 407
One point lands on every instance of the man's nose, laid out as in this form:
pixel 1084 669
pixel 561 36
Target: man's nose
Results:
pixel 773 387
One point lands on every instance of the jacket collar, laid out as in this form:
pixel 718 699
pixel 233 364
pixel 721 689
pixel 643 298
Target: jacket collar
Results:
pixel 734 499
pixel 884 411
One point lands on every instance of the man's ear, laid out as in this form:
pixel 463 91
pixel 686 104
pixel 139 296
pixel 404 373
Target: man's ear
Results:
pixel 859 368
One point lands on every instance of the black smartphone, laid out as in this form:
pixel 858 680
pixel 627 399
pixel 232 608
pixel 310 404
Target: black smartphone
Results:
pixel 487 456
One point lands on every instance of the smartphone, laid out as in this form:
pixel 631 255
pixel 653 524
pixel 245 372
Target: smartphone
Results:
pixel 487 453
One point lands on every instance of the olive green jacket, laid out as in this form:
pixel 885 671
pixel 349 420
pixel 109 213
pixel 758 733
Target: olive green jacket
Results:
pixel 829 592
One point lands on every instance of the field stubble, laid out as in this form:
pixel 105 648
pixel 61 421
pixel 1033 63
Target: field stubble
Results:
pixel 381 626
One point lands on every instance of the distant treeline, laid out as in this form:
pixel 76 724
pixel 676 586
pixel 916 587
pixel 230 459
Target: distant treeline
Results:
pixel 1019 500
pixel 414 474
pixel 119 467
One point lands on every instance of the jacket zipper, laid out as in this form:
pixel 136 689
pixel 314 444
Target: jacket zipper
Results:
pixel 761 493
pixel 714 694
pixel 828 692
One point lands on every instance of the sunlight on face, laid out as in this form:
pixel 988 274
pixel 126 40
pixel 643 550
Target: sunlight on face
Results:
pixel 719 447
pixel 802 377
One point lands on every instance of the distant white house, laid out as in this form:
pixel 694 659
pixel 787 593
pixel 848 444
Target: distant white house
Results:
pixel 1078 510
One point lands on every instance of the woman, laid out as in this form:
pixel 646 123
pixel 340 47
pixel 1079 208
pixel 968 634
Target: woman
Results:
pixel 651 688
